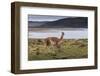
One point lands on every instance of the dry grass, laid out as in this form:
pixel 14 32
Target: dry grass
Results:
pixel 69 49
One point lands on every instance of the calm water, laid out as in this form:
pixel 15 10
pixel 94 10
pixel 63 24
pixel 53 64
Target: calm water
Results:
pixel 69 34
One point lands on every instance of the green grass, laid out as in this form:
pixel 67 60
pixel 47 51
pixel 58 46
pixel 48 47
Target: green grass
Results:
pixel 69 49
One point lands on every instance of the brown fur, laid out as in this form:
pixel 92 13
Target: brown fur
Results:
pixel 54 40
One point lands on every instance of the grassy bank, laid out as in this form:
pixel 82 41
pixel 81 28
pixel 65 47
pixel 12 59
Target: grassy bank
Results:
pixel 69 49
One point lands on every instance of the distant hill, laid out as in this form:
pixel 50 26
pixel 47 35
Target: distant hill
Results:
pixel 76 22
pixel 36 23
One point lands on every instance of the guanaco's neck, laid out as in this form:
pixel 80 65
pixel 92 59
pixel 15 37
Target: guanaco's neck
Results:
pixel 62 36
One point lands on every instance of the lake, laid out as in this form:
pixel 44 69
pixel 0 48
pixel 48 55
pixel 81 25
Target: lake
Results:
pixel 70 33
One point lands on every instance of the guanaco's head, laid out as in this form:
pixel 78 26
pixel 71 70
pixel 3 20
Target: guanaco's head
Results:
pixel 62 33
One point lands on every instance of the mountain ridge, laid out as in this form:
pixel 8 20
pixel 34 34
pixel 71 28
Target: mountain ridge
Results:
pixel 76 22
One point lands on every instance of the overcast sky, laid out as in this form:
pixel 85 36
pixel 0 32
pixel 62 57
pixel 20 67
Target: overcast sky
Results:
pixel 44 18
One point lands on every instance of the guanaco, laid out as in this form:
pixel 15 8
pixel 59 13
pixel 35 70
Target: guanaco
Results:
pixel 54 40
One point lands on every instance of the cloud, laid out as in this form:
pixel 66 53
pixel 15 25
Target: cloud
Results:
pixel 44 17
